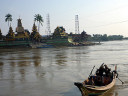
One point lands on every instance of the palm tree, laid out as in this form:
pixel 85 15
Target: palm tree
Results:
pixel 39 20
pixel 8 18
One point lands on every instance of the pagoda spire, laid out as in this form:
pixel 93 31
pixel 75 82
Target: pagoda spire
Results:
pixel 10 34
pixel 19 23
pixel 34 28
pixel 10 29
pixel 19 26
pixel 35 34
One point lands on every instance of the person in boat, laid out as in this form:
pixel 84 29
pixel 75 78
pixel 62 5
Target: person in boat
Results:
pixel 98 81
pixel 108 72
pixel 90 81
pixel 104 71
pixel 100 71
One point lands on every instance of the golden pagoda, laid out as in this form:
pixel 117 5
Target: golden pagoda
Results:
pixel 34 29
pixel 19 28
pixel 11 35
pixel 59 31
pixel 21 34
pixel 35 35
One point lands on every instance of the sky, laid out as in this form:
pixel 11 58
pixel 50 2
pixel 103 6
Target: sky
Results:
pixel 95 16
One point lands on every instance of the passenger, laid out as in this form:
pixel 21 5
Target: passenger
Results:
pixel 100 71
pixel 108 72
pixel 86 82
pixel 106 80
pixel 90 81
pixel 98 81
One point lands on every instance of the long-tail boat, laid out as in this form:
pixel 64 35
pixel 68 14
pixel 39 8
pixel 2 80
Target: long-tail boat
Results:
pixel 103 80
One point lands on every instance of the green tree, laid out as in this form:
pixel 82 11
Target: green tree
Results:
pixel 104 37
pixel 97 37
pixel 8 18
pixel 39 20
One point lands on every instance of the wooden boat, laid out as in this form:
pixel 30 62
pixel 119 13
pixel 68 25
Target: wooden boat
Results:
pixel 93 89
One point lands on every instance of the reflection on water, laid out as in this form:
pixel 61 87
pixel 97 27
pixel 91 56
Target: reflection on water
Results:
pixel 61 58
pixel 111 92
pixel 1 69
pixel 53 71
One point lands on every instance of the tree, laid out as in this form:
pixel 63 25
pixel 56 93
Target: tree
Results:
pixel 104 37
pixel 8 18
pixel 39 20
pixel 97 37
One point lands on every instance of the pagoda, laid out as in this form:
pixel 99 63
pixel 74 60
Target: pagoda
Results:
pixel 21 34
pixel 11 35
pixel 35 36
pixel 1 37
pixel 59 37
pixel 59 32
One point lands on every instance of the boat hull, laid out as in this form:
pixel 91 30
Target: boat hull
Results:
pixel 90 90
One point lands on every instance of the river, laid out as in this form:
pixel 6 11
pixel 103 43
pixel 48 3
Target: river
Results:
pixel 53 71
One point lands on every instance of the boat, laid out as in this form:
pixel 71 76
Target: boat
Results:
pixel 90 87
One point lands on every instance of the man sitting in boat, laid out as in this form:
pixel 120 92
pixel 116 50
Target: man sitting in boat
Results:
pixel 90 81
pixel 104 71
pixel 100 71
pixel 108 72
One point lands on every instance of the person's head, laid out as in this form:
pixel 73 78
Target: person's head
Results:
pixel 106 66
pixel 101 66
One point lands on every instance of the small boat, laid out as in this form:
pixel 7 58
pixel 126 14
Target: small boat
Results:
pixel 99 83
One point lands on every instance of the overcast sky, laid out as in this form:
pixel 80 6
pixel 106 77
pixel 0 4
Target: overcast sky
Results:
pixel 95 16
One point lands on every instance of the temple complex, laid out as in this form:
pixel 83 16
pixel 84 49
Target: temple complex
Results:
pixel 23 38
pixel 21 34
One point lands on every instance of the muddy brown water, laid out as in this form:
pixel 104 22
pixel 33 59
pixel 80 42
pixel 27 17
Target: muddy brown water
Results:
pixel 53 71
